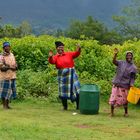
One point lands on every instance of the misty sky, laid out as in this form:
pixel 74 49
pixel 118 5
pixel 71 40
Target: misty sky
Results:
pixel 58 12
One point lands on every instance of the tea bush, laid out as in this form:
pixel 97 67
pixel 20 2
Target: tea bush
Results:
pixel 37 78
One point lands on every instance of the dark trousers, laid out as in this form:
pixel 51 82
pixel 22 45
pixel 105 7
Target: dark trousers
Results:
pixel 65 104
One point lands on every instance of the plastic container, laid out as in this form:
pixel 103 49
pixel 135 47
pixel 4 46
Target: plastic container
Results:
pixel 133 95
pixel 89 99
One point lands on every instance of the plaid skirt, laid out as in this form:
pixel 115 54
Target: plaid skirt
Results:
pixel 69 85
pixel 8 89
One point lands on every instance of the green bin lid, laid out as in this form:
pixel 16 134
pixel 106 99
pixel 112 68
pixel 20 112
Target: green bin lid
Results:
pixel 89 88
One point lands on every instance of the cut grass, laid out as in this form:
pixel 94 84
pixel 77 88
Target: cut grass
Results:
pixel 40 120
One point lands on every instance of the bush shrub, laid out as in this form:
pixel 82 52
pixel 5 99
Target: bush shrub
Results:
pixel 37 78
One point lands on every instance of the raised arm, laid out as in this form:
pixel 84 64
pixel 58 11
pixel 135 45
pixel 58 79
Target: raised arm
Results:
pixel 51 58
pixel 77 52
pixel 115 57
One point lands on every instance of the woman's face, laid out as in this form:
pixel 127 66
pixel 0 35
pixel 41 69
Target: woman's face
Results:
pixel 129 57
pixel 60 49
pixel 7 49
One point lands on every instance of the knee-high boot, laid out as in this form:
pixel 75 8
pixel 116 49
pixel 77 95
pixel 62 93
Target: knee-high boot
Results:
pixel 4 102
pixel 7 104
pixel 64 103
pixel 77 101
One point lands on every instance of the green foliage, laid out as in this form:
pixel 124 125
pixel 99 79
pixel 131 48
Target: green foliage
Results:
pixel 9 30
pixel 25 29
pixel 37 78
pixel 37 84
pixel 75 30
pixel 92 29
pixel 112 37
pixel 129 21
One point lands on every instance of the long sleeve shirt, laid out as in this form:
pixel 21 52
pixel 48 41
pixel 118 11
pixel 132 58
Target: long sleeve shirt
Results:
pixel 125 74
pixel 10 60
pixel 64 60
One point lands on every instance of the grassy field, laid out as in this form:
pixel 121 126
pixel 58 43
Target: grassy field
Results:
pixel 40 120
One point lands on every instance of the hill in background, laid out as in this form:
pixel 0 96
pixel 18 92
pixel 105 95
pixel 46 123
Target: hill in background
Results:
pixel 58 13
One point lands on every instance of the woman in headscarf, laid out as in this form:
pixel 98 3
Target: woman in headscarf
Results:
pixel 8 69
pixel 69 85
pixel 124 79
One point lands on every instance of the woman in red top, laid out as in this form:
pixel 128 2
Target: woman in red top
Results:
pixel 69 85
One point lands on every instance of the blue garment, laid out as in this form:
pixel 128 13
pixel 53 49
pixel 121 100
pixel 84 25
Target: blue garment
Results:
pixel 8 89
pixel 6 44
pixel 69 85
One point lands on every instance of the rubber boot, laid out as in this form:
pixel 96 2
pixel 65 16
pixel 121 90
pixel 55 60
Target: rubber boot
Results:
pixel 4 103
pixel 77 101
pixel 7 104
pixel 64 103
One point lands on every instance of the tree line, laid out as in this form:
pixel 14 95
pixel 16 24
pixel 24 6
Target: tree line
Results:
pixel 9 30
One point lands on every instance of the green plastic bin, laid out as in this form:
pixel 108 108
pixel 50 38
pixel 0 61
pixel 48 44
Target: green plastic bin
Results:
pixel 89 99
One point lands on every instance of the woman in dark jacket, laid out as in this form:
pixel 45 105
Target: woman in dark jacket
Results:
pixel 124 79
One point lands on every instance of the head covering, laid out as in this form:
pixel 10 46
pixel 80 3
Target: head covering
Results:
pixel 6 44
pixel 58 43
pixel 129 52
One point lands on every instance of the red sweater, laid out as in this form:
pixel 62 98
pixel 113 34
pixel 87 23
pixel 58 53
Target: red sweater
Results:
pixel 65 60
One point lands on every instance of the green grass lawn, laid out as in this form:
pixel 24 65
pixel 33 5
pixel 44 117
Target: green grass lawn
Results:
pixel 40 120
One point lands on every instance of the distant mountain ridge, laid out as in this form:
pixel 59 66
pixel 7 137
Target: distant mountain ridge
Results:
pixel 58 13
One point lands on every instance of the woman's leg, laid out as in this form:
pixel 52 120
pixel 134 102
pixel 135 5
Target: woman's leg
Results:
pixel 3 102
pixel 64 103
pixel 7 104
pixel 113 98
pixel 112 110
pixel 126 110
pixel 77 101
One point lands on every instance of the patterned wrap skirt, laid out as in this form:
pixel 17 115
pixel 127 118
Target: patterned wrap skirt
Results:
pixel 8 89
pixel 69 86
pixel 118 96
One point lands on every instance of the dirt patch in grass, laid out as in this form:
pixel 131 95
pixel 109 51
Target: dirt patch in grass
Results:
pixel 83 126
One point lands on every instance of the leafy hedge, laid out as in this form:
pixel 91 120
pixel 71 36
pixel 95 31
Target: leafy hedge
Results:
pixel 36 77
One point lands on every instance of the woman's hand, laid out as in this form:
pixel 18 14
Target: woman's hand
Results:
pixel 50 53
pixel 78 48
pixel 115 56
pixel 4 68
pixel 13 67
pixel 116 51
